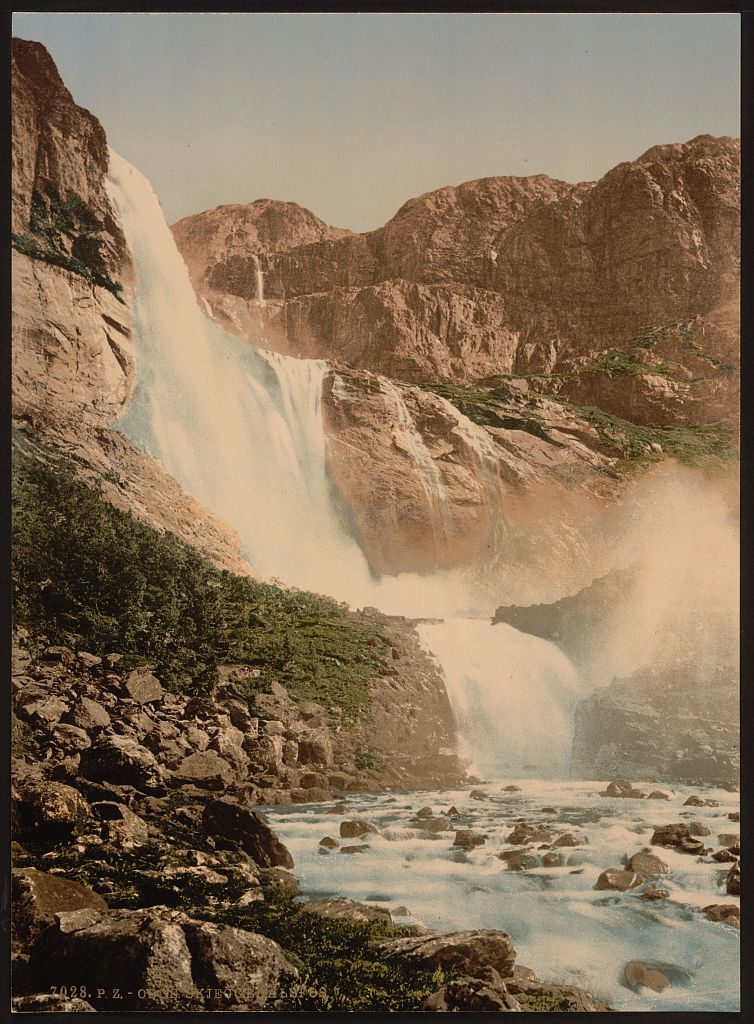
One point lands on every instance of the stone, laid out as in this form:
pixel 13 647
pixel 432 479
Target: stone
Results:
pixel 697 828
pixel 272 728
pixel 567 839
pixel 568 997
pixel 622 788
pixel 619 880
pixel 520 860
pixel 356 829
pixel 88 660
pixel 362 848
pixel 46 1002
pixel 89 715
pixel 143 686
pixel 646 864
pixel 548 810
pixel 551 860
pixel 205 769
pixel 425 812
pixel 315 795
pixel 120 759
pixel 70 737
pixel 329 843
pixel 524 833
pixel 511 789
pixel 735 816
pixel 695 801
pixel 400 912
pixel 658 794
pixel 36 897
pixel 728 912
pixel 465 952
pixel 468 839
pixel 434 824
pixel 315 748
pixel 640 975
pixel 670 835
pixel 654 892
pixel 474 995
pixel 313 780
pixel 49 810
pixel 75 920
pixel 733 880
pixel 477 794
pixel 227 819
pixel 165 960
pixel 280 878
pixel 728 839
pixel 342 909
pixel 120 825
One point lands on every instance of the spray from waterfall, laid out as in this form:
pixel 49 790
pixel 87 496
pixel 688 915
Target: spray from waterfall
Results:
pixel 258 279
pixel 241 430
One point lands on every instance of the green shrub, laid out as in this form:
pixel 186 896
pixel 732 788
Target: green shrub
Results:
pixel 90 575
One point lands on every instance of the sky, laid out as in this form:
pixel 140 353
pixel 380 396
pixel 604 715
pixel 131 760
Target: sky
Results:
pixel 350 115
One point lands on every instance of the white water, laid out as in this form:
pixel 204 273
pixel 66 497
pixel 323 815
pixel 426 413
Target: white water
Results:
pixel 566 930
pixel 258 279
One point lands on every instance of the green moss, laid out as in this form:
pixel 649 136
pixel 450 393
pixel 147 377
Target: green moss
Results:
pixel 89 575
pixel 485 406
pixel 706 445
pixel 547 1002
pixel 66 233
pixel 624 364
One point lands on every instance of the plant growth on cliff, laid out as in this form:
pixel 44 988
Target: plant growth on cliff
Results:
pixel 90 575
pixel 66 233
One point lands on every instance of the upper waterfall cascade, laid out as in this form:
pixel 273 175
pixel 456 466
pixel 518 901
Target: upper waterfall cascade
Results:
pixel 241 430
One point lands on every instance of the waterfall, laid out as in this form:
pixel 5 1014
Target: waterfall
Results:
pixel 512 694
pixel 258 279
pixel 241 430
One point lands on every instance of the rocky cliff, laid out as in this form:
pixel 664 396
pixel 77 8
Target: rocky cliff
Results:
pixel 498 275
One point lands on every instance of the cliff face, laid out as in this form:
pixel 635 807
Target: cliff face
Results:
pixel 503 275
pixel 72 352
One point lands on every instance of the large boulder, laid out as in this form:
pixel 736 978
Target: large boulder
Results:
pixel 488 993
pixel 733 880
pixel 355 829
pixel 315 748
pixel 205 769
pixel 620 881
pixel 143 686
pixel 646 864
pixel 48 811
pixel 467 952
pixel 524 833
pixel 161 960
pixel 120 759
pixel 36 897
pixel 227 819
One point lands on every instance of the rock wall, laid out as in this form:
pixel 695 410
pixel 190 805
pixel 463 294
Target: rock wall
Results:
pixel 496 275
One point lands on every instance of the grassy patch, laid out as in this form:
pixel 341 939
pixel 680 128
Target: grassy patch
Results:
pixel 705 445
pixel 485 407
pixel 89 575
pixel 547 1002
pixel 65 233
pixel 624 364
pixel 339 968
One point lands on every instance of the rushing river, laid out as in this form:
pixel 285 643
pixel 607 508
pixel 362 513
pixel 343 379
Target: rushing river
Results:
pixel 561 926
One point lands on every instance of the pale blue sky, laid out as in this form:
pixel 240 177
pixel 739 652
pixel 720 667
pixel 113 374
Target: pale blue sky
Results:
pixel 352 114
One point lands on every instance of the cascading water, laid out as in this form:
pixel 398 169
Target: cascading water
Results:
pixel 241 430
pixel 258 279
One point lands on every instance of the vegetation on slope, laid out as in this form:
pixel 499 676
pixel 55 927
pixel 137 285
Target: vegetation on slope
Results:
pixel 66 233
pixel 91 576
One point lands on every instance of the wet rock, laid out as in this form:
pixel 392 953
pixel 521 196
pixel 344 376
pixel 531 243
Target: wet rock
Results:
pixel 735 816
pixel 467 952
pixel 453 811
pixel 694 847
pixel 175 961
pixel 466 838
pixel 567 839
pixel 728 912
pixel 520 860
pixel 670 835
pixel 511 789
pixel 551 860
pixel 698 801
pixel 206 770
pixel 696 828
pixel 122 760
pixel 524 833
pixel 548 810
pixel 36 897
pixel 639 975
pixel 619 880
pixel 622 788
pixel 724 856
pixel 329 843
pixel 143 687
pixel 733 880
pixel 728 839
pixel 657 794
pixel 654 892
pixel 342 909
pixel 355 829
pixel 48 810
pixel 646 864
pixel 434 824
pixel 315 795
pixel 425 812
pixel 228 820
pixel 477 794
pixel 355 849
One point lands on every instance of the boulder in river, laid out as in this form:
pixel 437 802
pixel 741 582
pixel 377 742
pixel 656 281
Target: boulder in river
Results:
pixel 733 880
pixel 619 880
pixel 524 833
pixel 228 820
pixel 728 912
pixel 467 952
pixel 355 829
pixel 466 838
pixel 646 864
pixel 640 975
